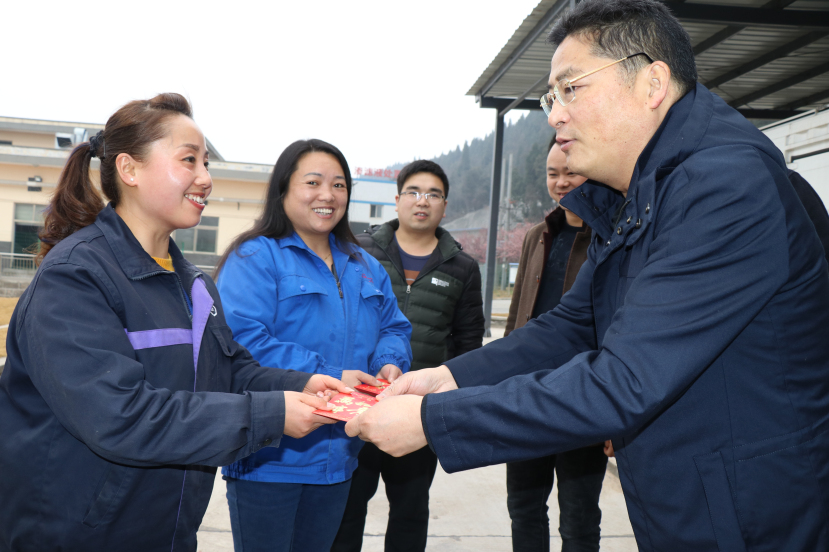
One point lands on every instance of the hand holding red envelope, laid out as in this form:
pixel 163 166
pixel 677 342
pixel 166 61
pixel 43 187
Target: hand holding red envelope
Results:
pixel 346 406
pixel 373 389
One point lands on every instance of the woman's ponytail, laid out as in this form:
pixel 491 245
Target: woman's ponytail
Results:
pixel 76 202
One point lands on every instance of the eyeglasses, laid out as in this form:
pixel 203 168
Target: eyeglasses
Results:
pixel 431 197
pixel 563 89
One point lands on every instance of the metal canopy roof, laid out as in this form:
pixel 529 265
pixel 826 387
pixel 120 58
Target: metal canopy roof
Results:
pixel 766 58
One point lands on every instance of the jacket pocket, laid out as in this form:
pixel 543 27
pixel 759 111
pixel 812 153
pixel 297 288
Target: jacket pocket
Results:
pixel 108 495
pixel 778 493
pixel 294 285
pixel 719 497
pixel 372 295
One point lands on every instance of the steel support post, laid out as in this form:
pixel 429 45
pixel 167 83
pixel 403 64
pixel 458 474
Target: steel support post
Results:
pixel 492 231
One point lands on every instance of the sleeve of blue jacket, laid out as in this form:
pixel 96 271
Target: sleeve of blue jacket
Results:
pixel 249 286
pixel 97 391
pixel 394 345
pixel 720 255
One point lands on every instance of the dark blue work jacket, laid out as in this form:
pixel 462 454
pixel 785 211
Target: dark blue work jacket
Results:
pixel 696 336
pixel 111 420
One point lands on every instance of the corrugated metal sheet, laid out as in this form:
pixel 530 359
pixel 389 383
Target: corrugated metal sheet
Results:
pixel 768 86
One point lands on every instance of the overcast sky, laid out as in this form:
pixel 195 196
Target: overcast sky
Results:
pixel 384 81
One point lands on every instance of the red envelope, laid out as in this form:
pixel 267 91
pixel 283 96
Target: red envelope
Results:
pixel 374 390
pixel 347 406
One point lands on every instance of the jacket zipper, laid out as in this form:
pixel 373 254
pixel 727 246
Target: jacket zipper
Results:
pixel 190 316
pixel 420 275
pixel 339 286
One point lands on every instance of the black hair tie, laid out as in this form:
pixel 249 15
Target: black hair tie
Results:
pixel 97 146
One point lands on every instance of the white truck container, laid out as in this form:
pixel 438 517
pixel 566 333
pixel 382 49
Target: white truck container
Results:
pixel 804 140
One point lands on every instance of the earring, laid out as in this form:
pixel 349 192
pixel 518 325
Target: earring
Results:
pixel 132 180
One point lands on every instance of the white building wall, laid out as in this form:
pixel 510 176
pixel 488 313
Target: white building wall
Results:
pixel 805 143
pixel 366 192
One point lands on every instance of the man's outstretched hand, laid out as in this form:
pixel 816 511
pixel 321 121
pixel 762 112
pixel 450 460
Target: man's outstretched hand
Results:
pixel 421 382
pixel 393 425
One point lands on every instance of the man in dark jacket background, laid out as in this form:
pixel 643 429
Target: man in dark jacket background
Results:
pixel 551 256
pixel 694 336
pixel 438 288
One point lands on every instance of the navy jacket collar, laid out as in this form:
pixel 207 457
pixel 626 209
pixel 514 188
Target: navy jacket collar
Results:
pixel 674 141
pixel 134 261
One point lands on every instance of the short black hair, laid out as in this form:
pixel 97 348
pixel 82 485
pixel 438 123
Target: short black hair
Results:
pixel 619 28
pixel 422 166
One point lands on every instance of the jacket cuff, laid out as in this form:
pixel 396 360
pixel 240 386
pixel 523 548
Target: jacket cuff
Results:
pixel 335 372
pixel 462 370
pixel 424 422
pixel 267 414
pixel 382 360
pixel 437 434
pixel 295 381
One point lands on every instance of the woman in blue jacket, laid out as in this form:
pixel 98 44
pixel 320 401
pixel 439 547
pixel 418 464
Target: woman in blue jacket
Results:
pixel 123 384
pixel 301 294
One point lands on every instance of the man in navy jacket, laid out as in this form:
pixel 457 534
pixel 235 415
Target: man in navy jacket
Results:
pixel 695 335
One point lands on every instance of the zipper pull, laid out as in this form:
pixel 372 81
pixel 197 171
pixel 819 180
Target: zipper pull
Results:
pixel 340 289
pixel 409 288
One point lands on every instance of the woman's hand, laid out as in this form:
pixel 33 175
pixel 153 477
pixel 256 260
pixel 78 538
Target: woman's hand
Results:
pixel 356 377
pixel 300 419
pixel 390 372
pixel 422 382
pixel 325 386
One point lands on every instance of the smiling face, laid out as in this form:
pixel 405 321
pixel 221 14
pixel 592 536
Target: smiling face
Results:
pixel 168 188
pixel 317 196
pixel 421 215
pixel 560 179
pixel 608 124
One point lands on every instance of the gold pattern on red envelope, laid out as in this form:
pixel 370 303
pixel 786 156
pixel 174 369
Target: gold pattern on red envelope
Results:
pixel 373 389
pixel 347 406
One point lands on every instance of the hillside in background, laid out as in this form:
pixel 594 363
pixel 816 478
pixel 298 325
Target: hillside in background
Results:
pixel 469 169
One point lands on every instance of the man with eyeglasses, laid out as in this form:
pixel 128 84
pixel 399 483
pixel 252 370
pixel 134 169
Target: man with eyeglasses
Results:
pixel 438 288
pixel 695 335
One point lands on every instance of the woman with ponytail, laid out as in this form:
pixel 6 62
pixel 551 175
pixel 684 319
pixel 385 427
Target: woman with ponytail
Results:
pixel 123 388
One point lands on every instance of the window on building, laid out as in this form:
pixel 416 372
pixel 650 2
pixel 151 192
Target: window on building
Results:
pixel 199 239
pixel 376 211
pixel 28 220
pixel 63 140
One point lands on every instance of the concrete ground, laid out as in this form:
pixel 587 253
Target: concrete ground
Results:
pixel 468 512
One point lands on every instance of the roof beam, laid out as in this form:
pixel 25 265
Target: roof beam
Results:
pixel 525 44
pixel 738 15
pixel 716 38
pixel 768 113
pixel 731 30
pixel 768 57
pixel 812 98
pixel 502 103
pixel 780 85
pixel 523 96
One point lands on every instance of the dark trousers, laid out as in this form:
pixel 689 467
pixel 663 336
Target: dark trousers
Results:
pixel 407 480
pixel 284 517
pixel 529 483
